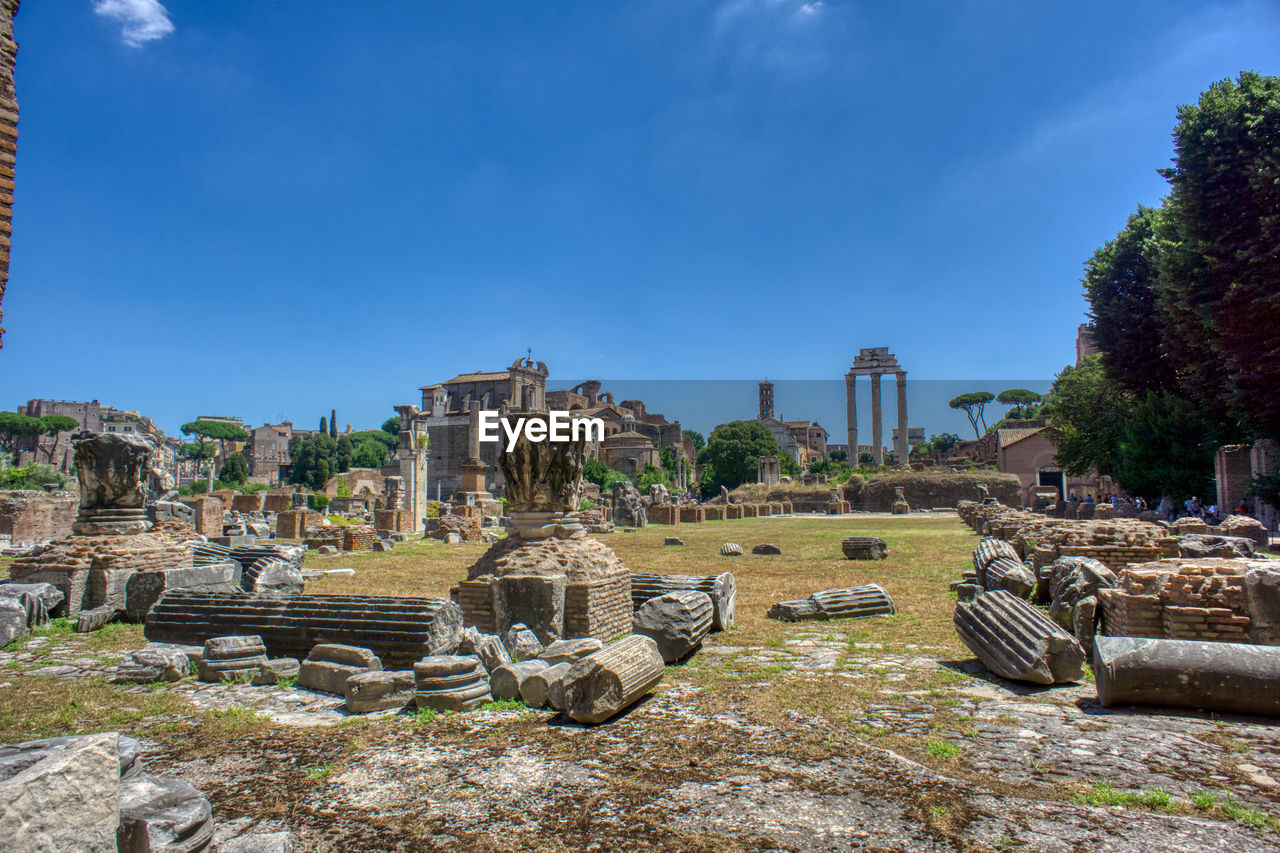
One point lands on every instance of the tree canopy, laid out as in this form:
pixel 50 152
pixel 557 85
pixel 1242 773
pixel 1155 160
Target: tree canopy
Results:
pixel 53 425
pixel 973 404
pixel 235 469
pixel 699 441
pixel 15 426
pixel 733 451
pixel 392 425
pixel 1021 399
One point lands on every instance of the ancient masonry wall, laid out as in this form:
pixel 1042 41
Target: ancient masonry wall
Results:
pixel 207 510
pixel 28 516
pixel 396 520
pixel 599 608
pixel 1179 600
pixel 8 141
pixel 293 524
pixel 247 503
pixel 277 502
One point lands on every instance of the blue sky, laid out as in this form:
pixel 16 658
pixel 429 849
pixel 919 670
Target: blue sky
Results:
pixel 273 208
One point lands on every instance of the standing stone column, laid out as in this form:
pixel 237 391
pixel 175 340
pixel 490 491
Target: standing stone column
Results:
pixel 851 416
pixel 474 470
pixel 877 427
pixel 901 447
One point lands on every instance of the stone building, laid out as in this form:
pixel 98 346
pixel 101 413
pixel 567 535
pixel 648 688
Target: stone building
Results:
pixel 268 450
pixel 801 440
pixel 92 417
pixel 623 417
pixel 1235 466
pixel 434 439
pixel 1084 342
pixel 1028 453
pixel 628 452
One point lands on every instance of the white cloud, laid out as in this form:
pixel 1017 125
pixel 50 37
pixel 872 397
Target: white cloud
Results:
pixel 786 35
pixel 141 20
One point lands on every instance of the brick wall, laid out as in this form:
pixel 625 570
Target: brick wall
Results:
pixel 8 141
pixel 207 510
pixel 37 516
pixel 293 524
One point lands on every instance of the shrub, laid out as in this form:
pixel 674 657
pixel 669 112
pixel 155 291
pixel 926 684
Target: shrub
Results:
pixel 33 477
pixel 317 501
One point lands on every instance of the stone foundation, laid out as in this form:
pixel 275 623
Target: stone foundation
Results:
pixel 664 514
pixel 395 520
pixel 92 571
pixel 1182 599
pixel 293 524
pixel 559 588
pixel 208 513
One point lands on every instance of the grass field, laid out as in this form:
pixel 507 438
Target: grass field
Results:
pixel 926 553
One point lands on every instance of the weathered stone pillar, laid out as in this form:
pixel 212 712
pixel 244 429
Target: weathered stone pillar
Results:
pixel 901 447
pixel 474 469
pixel 877 427
pixel 851 416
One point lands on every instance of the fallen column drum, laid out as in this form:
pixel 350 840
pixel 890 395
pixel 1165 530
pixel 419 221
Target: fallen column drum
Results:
pixel 1232 677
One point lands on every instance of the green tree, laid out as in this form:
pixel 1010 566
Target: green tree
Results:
pixel 1219 263
pixel 324 425
pixel 15 426
pixel 698 441
pixel 1020 399
pixel 392 426
pixel 53 426
pixel 940 443
pixel 601 474
pixel 235 469
pixel 1166 448
pixel 973 404
pixel 333 423
pixel 314 459
pixel 1088 410
pixel 651 475
pixel 218 431
pixel 1122 284
pixel 787 464
pixel 733 450
pixel 839 456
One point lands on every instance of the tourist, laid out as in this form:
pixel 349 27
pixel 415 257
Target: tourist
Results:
pixel 1243 508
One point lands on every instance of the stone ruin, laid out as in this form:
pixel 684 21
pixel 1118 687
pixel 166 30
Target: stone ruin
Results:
pixel 864 548
pixel 850 603
pixel 628 509
pixel 547 574
pixel 1177 628
pixel 114 541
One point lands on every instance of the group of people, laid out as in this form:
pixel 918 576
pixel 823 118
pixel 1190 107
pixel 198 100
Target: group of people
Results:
pixel 1192 507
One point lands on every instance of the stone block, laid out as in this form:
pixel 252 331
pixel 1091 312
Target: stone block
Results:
pixel 277 670
pixel 604 684
pixel 676 621
pixel 329 666
pixel 378 691
pixel 536 690
pixel 569 651
pixel 450 683
pixel 506 682
pixel 63 797
pixel 160 814
pixel 1014 640
pixel 153 662
pixel 143 589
